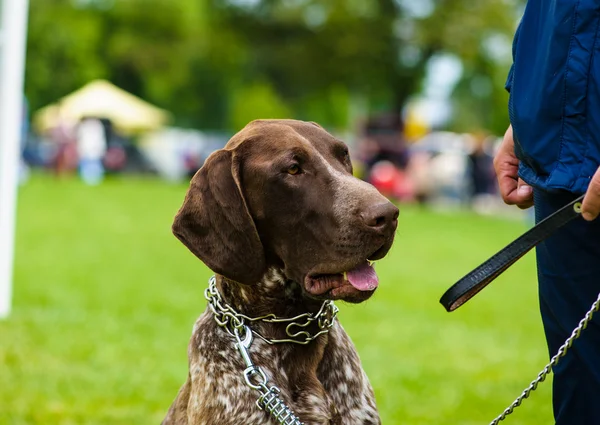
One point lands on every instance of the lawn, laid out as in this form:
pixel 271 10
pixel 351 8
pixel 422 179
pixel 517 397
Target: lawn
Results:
pixel 105 298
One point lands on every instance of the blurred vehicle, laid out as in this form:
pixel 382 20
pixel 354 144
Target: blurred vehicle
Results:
pixel 442 174
pixel 453 168
pixel 177 153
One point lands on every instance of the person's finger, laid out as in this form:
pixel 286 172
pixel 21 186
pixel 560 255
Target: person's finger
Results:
pixel 513 190
pixel 524 195
pixel 521 195
pixel 590 207
pixel 506 166
pixel 507 184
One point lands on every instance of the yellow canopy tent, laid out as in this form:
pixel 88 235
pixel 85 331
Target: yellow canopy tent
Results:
pixel 102 99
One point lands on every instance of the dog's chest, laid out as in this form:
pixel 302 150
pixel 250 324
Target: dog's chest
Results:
pixel 335 393
pixel 346 383
pixel 220 395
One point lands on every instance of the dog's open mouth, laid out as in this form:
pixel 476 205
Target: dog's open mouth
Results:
pixel 360 278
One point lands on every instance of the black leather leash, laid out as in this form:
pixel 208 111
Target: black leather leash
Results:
pixel 467 287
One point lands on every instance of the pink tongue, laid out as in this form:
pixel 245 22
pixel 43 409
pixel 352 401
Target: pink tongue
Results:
pixel 363 277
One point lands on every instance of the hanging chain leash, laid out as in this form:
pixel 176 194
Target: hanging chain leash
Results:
pixel 235 325
pixel 553 362
pixel 255 378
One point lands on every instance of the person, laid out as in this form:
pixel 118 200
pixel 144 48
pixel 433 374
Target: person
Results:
pixel 63 136
pixel 550 154
pixel 91 148
pixel 480 169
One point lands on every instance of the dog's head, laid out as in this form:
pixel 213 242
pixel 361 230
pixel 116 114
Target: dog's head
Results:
pixel 281 193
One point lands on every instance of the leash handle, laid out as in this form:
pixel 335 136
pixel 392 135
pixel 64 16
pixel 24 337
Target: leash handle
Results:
pixel 467 287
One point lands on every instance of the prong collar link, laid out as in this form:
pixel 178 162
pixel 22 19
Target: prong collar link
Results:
pixel 229 319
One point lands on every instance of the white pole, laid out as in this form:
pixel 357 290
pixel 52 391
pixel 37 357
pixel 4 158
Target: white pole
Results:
pixel 13 29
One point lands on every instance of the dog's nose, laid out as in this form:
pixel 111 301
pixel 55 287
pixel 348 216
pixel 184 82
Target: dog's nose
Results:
pixel 380 216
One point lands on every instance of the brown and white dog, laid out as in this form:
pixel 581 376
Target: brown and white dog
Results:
pixel 280 219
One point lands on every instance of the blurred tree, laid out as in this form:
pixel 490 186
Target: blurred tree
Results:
pixel 62 50
pixel 313 49
pixel 375 50
pixel 208 60
pixel 155 49
pixel 152 48
pixel 479 33
pixel 254 101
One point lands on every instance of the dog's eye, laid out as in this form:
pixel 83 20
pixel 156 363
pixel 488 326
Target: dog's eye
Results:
pixel 294 169
pixel 341 152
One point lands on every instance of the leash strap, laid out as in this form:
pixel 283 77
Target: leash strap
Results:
pixel 467 287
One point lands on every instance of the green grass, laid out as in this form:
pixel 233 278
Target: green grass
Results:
pixel 105 298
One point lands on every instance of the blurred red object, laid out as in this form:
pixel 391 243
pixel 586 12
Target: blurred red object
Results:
pixel 391 181
pixel 383 176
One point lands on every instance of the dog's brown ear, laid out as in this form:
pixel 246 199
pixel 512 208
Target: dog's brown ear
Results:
pixel 215 224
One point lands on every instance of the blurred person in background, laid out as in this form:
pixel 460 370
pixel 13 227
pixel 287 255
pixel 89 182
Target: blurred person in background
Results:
pixel 91 148
pixel 115 157
pixel 550 155
pixel 62 134
pixel 481 169
pixel 384 153
pixel 383 140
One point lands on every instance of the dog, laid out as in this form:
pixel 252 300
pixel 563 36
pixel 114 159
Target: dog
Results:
pixel 280 219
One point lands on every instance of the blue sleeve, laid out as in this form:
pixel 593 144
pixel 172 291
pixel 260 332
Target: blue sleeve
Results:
pixel 509 78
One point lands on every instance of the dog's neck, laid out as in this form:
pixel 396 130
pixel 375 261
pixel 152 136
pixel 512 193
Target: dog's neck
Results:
pixel 274 294
pixel 305 369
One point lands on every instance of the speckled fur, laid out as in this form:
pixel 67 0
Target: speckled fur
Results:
pixel 323 382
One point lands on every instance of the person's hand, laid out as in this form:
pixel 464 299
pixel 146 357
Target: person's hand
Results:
pixel 591 202
pixel 513 190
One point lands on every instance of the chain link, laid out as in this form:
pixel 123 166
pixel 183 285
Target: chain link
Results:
pixel 553 362
pixel 229 319
pixel 274 405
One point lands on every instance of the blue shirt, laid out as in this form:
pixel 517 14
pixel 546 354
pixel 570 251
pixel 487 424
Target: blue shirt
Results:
pixel 554 87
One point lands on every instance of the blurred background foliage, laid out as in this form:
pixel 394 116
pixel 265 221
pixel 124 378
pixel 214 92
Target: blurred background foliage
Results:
pixel 216 64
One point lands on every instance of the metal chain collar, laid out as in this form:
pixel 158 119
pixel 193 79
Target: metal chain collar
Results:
pixel 230 320
pixel 553 362
pixel 255 378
